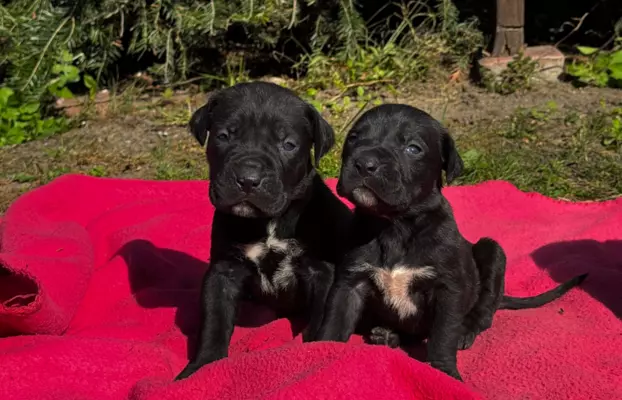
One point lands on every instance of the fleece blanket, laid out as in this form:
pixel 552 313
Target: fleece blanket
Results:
pixel 99 285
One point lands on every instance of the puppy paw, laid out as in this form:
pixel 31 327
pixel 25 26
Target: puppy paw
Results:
pixel 384 336
pixel 455 374
pixel 194 366
pixel 450 370
pixel 466 340
pixel 186 372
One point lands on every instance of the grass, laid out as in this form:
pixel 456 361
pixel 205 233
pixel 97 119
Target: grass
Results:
pixel 559 151
pixel 168 167
pixel 559 154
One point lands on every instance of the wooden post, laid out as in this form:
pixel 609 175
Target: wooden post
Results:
pixel 510 34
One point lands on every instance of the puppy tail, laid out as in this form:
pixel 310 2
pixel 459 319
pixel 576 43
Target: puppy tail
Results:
pixel 519 303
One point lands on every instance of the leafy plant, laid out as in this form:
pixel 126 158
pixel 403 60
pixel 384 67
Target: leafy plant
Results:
pixel 22 121
pixel 171 39
pixel 65 73
pixel 22 118
pixel 405 53
pixel 59 49
pixel 517 76
pixel 597 67
pixel 613 137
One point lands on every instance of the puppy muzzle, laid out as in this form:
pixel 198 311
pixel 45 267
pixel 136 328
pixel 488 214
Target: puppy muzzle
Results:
pixel 371 184
pixel 248 187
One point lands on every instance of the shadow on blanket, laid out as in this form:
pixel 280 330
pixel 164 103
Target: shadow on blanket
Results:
pixel 604 259
pixel 162 277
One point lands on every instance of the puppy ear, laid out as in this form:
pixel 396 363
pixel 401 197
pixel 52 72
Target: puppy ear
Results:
pixel 200 122
pixel 452 162
pixel 323 135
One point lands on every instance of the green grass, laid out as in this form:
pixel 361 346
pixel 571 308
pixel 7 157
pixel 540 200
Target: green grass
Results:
pixel 562 154
pixel 172 165
pixel 556 151
pixel 559 153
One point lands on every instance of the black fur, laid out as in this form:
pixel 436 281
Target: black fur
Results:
pixel 277 226
pixel 404 227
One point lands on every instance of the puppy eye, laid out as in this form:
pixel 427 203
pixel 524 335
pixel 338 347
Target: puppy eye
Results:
pixel 351 138
pixel 289 145
pixel 222 136
pixel 413 149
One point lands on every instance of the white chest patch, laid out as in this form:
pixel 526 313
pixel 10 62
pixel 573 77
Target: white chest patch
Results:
pixel 395 284
pixel 284 275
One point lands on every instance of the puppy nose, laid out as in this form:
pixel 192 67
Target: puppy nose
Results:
pixel 249 181
pixel 367 165
pixel 248 177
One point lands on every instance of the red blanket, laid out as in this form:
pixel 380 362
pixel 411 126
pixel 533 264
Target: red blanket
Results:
pixel 99 282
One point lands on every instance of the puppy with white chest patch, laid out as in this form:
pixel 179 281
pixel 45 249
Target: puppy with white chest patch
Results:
pixel 408 273
pixel 277 227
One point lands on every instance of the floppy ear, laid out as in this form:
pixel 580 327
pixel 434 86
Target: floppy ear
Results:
pixel 323 135
pixel 200 122
pixel 452 163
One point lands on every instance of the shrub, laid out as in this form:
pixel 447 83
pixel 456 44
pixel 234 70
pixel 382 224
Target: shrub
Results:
pixel 597 67
pixel 54 48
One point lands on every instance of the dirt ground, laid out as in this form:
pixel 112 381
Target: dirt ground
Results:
pixel 150 140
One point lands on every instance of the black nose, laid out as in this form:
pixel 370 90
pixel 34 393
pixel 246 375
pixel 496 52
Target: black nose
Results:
pixel 248 177
pixel 367 165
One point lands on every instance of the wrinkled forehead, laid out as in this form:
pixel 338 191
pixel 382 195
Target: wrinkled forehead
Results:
pixel 397 128
pixel 267 116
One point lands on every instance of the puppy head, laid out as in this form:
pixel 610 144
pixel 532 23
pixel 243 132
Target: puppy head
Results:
pixel 393 159
pixel 259 137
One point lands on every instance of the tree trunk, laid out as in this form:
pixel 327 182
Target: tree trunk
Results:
pixel 510 35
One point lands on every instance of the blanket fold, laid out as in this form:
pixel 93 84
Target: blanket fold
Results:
pixel 99 299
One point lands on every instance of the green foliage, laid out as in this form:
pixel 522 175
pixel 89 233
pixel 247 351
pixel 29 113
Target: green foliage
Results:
pixel 97 171
pixel 517 76
pixel 22 117
pixel 613 135
pixel 597 67
pixel 58 49
pixel 65 73
pixel 186 38
pixel 404 53
pixel 21 121
pixel 34 35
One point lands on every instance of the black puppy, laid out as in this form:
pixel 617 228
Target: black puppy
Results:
pixel 277 226
pixel 408 270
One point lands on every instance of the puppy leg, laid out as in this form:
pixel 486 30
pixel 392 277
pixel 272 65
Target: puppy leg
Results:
pixel 318 284
pixel 445 333
pixel 490 261
pixel 220 295
pixel 344 307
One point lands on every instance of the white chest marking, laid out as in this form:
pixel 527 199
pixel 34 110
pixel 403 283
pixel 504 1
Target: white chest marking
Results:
pixel 395 284
pixel 284 275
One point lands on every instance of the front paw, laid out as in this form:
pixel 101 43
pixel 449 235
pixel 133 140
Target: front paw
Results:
pixel 384 336
pixel 449 368
pixel 194 366
pixel 466 340
pixel 190 369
